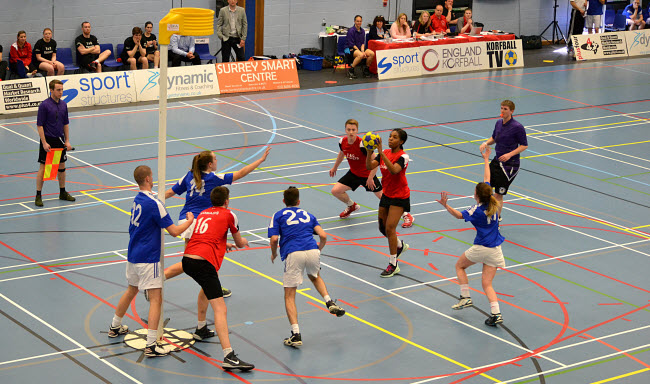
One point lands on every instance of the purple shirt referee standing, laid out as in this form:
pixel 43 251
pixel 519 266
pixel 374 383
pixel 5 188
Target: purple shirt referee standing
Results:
pixel 52 124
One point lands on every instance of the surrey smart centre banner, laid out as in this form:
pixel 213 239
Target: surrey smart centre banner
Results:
pixel 257 75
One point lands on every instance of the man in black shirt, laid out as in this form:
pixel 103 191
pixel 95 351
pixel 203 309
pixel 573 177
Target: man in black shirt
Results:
pixel 90 53
pixel 3 66
pixel 45 55
pixel 133 52
pixel 150 43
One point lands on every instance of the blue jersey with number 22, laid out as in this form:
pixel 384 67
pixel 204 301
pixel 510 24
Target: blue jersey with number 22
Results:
pixel 295 226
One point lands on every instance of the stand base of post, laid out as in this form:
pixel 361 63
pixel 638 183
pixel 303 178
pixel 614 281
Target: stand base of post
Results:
pixel 179 339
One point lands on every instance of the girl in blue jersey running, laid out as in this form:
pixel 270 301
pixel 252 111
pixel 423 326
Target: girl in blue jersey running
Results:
pixel 197 185
pixel 487 244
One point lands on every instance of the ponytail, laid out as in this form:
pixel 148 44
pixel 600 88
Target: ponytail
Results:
pixel 485 196
pixel 199 165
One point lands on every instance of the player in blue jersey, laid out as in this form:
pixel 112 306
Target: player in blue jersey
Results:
pixel 294 228
pixel 197 185
pixel 487 244
pixel 148 216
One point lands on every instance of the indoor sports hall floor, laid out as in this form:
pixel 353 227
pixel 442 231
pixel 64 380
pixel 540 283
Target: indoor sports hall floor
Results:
pixel 574 295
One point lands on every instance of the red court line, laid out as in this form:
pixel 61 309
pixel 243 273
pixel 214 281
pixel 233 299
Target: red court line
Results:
pixel 441 237
pixel 554 302
pixel 622 318
pixel 610 304
pixel 321 308
pixel 504 294
pixel 433 266
pixel 348 304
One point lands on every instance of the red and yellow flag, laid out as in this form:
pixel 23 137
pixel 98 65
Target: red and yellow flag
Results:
pixel 52 163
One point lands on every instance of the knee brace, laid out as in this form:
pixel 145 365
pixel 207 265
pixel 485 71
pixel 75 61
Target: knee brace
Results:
pixel 382 227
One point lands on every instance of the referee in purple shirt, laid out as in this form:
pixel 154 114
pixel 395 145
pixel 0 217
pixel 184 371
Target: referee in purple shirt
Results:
pixel 52 123
pixel 510 138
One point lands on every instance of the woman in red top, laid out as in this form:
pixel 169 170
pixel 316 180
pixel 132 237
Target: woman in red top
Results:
pixel 396 198
pixel 21 50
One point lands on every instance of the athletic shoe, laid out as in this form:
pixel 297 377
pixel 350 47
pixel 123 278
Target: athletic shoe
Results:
pixel 351 74
pixel 233 362
pixel 295 340
pixel 402 249
pixel 226 292
pixel 493 320
pixel 117 331
pixel 92 66
pixel 349 210
pixel 335 309
pixel 203 333
pixel 463 302
pixel 38 201
pixel 155 350
pixel 66 196
pixel 390 271
pixel 408 221
pixel 366 72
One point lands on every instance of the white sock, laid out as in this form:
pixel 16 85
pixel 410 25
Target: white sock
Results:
pixel 226 351
pixel 350 203
pixel 401 244
pixel 494 307
pixel 464 290
pixel 393 260
pixel 202 324
pixel 295 328
pixel 327 298
pixel 151 336
pixel 117 321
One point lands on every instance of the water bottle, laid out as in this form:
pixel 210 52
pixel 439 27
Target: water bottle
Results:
pixel 324 29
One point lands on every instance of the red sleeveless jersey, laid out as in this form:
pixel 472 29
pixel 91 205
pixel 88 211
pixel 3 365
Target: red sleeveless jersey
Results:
pixel 356 156
pixel 210 233
pixel 395 186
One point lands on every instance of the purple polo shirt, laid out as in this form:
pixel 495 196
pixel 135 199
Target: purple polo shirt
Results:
pixel 52 116
pixel 355 37
pixel 508 137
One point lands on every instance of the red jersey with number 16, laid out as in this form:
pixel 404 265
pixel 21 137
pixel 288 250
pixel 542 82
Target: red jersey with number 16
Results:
pixel 395 186
pixel 356 155
pixel 210 233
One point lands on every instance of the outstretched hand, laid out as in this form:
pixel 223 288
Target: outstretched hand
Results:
pixel 443 198
pixel 486 153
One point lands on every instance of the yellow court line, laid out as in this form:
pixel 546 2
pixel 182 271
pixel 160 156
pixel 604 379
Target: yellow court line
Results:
pixel 368 323
pixel 621 376
pixel 641 226
pixel 320 301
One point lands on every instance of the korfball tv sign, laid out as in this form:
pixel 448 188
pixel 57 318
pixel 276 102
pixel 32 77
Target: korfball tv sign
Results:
pixel 446 58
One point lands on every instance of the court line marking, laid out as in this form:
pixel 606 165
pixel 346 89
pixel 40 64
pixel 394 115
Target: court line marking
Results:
pixel 73 341
pixel 41 356
pixel 621 376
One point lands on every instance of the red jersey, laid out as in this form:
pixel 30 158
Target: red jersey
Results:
pixel 439 24
pixel 356 155
pixel 209 237
pixel 16 53
pixel 395 186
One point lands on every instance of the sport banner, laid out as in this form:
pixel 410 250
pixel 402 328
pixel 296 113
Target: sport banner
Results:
pixel 449 58
pixel 22 95
pixel 257 75
pixel 187 81
pixel 117 87
pixel 638 42
pixel 599 46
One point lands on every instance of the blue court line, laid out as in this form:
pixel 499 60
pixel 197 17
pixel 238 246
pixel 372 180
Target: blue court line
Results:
pixel 63 209
pixel 474 134
pixel 275 128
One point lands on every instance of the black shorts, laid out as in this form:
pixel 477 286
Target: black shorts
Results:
pixel 502 175
pixel 386 202
pixel 205 275
pixel 54 142
pixel 86 59
pixel 353 181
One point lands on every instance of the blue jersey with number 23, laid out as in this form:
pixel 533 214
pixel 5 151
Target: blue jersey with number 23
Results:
pixel 295 226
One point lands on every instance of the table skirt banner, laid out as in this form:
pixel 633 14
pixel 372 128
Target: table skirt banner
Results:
pixel 257 75
pixel 22 95
pixel 449 58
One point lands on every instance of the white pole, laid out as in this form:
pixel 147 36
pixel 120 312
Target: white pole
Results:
pixel 162 163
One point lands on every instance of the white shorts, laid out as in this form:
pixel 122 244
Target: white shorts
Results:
pixel 144 275
pixel 486 255
pixel 593 21
pixel 187 234
pixel 299 261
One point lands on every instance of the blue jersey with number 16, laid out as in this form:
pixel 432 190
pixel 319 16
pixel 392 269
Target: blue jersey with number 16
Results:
pixel 295 226
pixel 148 216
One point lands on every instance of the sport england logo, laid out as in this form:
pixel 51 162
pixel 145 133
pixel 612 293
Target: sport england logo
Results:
pixel 590 46
pixel 430 60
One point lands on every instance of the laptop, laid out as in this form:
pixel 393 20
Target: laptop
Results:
pixel 476 31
